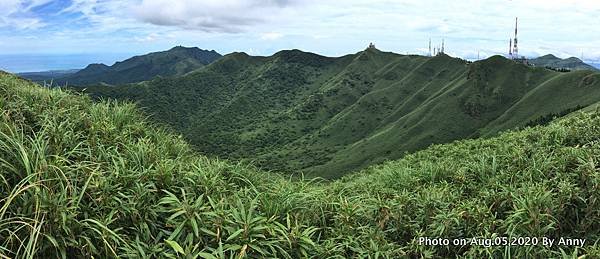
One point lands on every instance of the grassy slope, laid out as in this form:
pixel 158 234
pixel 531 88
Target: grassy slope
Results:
pixel 328 116
pixel 483 101
pixel 83 179
pixel 563 91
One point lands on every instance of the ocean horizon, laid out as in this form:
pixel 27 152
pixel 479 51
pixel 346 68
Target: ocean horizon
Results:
pixel 22 63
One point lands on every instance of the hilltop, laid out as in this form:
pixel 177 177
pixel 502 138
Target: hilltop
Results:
pixel 174 62
pixel 301 112
pixel 80 179
pixel 552 61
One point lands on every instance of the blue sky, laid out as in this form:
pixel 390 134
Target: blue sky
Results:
pixel 106 30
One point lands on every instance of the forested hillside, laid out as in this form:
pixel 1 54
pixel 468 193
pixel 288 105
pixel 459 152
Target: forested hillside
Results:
pixel 300 112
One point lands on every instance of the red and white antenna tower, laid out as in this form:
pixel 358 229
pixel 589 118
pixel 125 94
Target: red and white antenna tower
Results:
pixel 510 54
pixel 515 46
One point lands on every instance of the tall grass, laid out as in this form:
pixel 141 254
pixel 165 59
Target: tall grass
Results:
pixel 83 179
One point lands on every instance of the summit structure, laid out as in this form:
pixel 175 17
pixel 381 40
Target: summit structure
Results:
pixel 513 46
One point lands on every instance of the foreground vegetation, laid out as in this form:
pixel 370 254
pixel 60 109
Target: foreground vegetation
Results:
pixel 84 179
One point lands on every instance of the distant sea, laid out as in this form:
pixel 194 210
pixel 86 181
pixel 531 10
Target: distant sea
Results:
pixel 597 65
pixel 19 63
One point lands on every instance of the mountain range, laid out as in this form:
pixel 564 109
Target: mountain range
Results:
pixel 50 75
pixel 174 62
pixel 552 61
pixel 301 112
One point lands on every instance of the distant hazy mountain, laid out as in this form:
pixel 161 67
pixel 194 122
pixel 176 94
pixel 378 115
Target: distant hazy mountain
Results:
pixel 552 61
pixel 301 112
pixel 47 75
pixel 174 62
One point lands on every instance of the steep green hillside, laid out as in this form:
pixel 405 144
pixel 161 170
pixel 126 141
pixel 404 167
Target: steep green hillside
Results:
pixel 81 180
pixel 174 62
pixel 554 62
pixel 297 111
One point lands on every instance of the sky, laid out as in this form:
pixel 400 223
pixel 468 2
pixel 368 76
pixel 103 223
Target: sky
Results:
pixel 62 34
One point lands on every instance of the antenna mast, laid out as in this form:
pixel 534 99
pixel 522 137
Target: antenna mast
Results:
pixel 442 47
pixel 510 54
pixel 515 46
pixel 430 47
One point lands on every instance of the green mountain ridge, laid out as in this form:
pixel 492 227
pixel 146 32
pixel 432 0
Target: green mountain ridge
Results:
pixel 301 112
pixel 83 179
pixel 47 75
pixel 174 62
pixel 554 62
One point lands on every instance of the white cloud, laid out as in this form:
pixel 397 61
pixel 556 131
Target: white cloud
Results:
pixel 564 27
pixel 154 37
pixel 34 3
pixel 16 14
pixel 148 38
pixel 8 7
pixel 271 36
pixel 229 16
pixel 104 16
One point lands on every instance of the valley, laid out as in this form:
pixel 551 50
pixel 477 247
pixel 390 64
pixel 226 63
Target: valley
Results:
pixel 302 113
